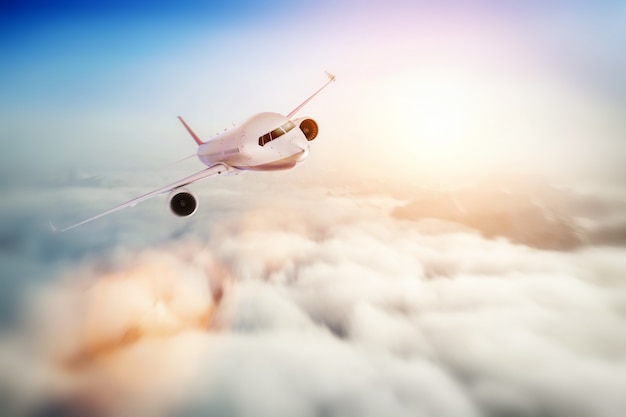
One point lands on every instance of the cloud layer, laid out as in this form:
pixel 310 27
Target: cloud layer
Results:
pixel 320 302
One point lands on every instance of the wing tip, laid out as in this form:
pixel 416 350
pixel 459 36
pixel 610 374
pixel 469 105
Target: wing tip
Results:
pixel 53 228
pixel 297 109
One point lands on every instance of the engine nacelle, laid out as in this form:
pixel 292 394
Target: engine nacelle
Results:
pixel 182 203
pixel 309 128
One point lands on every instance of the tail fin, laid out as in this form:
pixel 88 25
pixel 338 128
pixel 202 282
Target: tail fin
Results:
pixel 191 132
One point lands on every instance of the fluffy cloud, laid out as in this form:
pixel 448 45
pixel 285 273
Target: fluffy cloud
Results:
pixel 318 303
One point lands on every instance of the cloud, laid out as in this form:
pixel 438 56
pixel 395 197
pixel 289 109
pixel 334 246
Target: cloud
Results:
pixel 115 331
pixel 302 300
pixel 539 216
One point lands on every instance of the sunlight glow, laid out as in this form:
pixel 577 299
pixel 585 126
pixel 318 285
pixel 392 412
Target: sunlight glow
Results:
pixel 437 117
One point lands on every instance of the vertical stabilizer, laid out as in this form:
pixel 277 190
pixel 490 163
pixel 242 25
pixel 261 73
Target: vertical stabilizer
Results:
pixel 191 132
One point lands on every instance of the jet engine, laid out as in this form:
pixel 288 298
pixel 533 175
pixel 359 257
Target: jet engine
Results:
pixel 182 203
pixel 309 128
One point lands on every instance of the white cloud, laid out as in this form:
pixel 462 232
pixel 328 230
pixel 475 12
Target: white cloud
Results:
pixel 318 303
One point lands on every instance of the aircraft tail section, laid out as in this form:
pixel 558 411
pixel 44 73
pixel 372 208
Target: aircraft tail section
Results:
pixel 191 132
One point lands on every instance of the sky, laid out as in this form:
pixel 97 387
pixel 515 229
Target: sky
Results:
pixel 457 88
pixel 454 244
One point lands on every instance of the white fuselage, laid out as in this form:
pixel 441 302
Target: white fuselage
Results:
pixel 265 142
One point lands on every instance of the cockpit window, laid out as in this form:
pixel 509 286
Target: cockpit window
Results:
pixel 276 133
pixel 288 126
pixel 264 139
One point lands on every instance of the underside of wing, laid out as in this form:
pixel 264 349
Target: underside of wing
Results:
pixel 218 169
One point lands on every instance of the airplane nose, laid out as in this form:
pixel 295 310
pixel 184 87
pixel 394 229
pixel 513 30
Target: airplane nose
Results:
pixel 300 151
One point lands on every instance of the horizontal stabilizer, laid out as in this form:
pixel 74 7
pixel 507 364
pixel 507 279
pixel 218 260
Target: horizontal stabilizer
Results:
pixel 181 160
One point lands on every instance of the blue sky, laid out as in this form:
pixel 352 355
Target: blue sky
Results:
pixel 100 85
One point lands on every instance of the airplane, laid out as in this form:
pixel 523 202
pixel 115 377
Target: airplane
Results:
pixel 265 142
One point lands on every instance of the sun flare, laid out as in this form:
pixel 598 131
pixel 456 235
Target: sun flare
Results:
pixel 440 110
pixel 437 121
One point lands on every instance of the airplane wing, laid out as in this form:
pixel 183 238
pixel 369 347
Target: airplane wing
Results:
pixel 304 103
pixel 217 169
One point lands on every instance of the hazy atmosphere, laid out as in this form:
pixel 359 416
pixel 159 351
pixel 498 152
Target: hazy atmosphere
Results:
pixel 455 244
